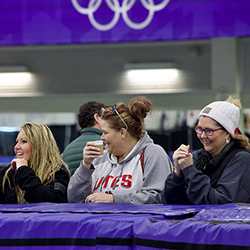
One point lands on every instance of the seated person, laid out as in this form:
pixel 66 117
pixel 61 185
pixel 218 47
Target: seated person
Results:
pixel 218 173
pixel 133 168
pixel 38 174
pixel 89 117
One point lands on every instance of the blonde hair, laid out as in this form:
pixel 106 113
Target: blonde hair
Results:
pixel 236 102
pixel 241 140
pixel 45 157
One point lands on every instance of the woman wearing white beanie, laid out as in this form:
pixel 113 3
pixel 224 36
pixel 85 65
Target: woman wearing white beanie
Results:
pixel 219 172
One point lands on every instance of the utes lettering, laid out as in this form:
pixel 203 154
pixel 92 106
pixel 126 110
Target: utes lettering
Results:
pixel 111 181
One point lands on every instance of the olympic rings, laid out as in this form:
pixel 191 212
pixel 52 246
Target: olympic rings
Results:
pixel 114 5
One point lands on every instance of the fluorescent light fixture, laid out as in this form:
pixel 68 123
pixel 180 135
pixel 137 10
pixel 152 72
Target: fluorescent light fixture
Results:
pixel 14 75
pixel 16 81
pixel 150 77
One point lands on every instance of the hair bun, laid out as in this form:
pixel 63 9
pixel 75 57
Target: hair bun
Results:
pixel 139 107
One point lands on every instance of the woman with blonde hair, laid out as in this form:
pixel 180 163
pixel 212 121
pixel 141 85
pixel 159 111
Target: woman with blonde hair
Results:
pixel 133 168
pixel 38 173
pixel 219 172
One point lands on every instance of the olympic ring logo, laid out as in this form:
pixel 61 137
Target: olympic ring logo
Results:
pixel 117 9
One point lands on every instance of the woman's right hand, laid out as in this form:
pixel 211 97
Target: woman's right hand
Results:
pixel 17 163
pixel 179 155
pixel 90 152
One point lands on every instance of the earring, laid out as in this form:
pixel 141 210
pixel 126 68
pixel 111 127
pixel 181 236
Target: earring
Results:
pixel 227 141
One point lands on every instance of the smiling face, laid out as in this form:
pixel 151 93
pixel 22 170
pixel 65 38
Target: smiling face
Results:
pixel 112 138
pixel 22 147
pixel 215 143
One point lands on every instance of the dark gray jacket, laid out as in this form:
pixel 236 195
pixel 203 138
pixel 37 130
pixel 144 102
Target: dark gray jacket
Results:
pixel 198 186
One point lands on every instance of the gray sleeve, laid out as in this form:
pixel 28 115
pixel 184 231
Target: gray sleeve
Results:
pixel 80 185
pixel 157 166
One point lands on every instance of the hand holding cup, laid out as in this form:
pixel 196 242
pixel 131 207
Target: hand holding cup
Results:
pixel 92 150
pixel 99 144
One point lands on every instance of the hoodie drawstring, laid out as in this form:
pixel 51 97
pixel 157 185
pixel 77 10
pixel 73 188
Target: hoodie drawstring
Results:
pixel 119 176
pixel 106 177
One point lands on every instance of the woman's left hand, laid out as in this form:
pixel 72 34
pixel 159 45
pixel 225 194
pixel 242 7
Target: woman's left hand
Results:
pixel 17 163
pixel 100 197
pixel 185 161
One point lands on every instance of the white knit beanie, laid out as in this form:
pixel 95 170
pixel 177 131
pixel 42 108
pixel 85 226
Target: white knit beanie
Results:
pixel 225 113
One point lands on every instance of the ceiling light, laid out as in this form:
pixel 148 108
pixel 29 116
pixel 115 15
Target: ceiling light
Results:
pixel 14 75
pixel 12 79
pixel 16 80
pixel 150 77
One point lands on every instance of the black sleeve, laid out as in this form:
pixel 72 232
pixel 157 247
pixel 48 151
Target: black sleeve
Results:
pixel 174 191
pixel 3 170
pixel 35 191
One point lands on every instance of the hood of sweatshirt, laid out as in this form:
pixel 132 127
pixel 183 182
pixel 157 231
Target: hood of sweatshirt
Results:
pixel 140 145
pixel 137 149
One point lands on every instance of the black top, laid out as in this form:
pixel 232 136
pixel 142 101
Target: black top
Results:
pixel 35 191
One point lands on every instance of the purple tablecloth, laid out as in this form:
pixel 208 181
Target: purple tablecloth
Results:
pixel 124 226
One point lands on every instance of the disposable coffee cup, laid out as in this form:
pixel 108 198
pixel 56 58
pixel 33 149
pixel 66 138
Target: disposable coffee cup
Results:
pixel 99 144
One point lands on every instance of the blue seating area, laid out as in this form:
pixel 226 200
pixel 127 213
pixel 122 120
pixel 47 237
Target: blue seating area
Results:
pixel 5 160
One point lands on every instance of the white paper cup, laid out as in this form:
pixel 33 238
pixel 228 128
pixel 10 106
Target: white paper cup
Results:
pixel 99 144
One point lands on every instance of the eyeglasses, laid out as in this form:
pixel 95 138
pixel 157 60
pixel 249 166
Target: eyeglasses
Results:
pixel 208 131
pixel 114 109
